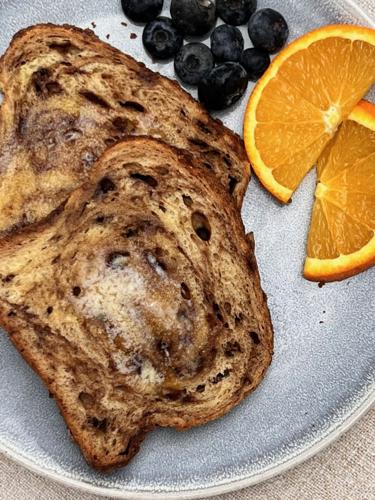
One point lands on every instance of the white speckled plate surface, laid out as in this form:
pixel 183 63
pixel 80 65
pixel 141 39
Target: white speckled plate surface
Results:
pixel 323 374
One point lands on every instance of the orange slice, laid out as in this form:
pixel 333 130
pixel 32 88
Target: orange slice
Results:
pixel 300 101
pixel 341 241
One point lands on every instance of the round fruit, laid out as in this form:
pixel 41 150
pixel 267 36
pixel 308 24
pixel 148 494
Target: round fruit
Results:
pixel 255 61
pixel 224 86
pixel 268 30
pixel 227 43
pixel 236 12
pixel 193 17
pixel 142 11
pixel 193 63
pixel 161 38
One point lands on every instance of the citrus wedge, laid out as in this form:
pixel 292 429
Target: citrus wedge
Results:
pixel 341 241
pixel 300 101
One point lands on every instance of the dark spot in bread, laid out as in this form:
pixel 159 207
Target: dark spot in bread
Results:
pixel 217 312
pixel 127 449
pixel 187 200
pixel 120 123
pixel 227 307
pixel 163 347
pixel 133 106
pixel 76 291
pixel 185 292
pixel 183 113
pixel 39 79
pixel 12 314
pixel 111 140
pixel 207 165
pixel 238 318
pixel 8 278
pixel 175 394
pixel 106 185
pixel 227 160
pixel 255 337
pixel 220 376
pixel 100 424
pixel 162 207
pixel 49 310
pixel 198 143
pixel 231 348
pixel 64 47
pixel 200 388
pixel 232 184
pixel 201 225
pixel 94 99
pixel 203 127
pixel 99 219
pixel 147 179
pixel 130 232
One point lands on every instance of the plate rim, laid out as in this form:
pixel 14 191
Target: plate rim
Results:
pixel 347 422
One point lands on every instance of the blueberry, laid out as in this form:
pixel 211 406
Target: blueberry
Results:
pixel 161 38
pixel 142 11
pixel 193 62
pixel 236 12
pixel 224 86
pixel 193 17
pixel 227 43
pixel 255 61
pixel 268 30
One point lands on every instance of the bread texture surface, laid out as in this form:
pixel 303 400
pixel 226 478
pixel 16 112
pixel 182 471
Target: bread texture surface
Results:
pixel 138 301
pixel 68 96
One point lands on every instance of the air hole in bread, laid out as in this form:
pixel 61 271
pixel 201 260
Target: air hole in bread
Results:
pixel 185 292
pixel 131 231
pixel 207 165
pixel 100 424
pixel 64 47
pixel 217 312
pixel 175 395
pixel 163 347
pixel 220 376
pixel 187 200
pixel 49 310
pixel 232 184
pixel 157 265
pixel 117 260
pixel 86 399
pixel 76 291
pixel 238 318
pixel 8 278
pixel 201 226
pixel 133 106
pixel 255 337
pixel 100 219
pixel 198 142
pixel 203 127
pixel 147 179
pixel 231 348
pixel 12 313
pixel 162 208
pixel 200 388
pixel 106 185
pixel 227 161
pixel 39 79
pixel 94 99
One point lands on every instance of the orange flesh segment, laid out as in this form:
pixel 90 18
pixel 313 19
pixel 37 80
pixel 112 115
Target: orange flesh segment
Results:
pixel 342 234
pixel 302 99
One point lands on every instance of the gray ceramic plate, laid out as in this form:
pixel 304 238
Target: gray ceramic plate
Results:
pixel 323 374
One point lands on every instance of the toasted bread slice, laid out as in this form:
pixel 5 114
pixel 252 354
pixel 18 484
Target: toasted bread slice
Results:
pixel 138 301
pixel 68 96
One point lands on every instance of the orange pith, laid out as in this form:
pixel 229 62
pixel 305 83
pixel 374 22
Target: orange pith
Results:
pixel 341 241
pixel 300 101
